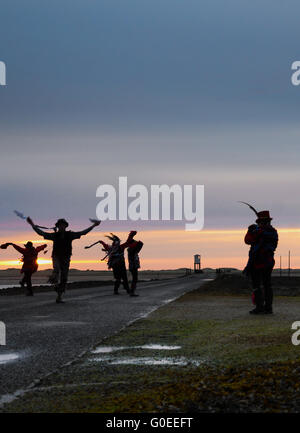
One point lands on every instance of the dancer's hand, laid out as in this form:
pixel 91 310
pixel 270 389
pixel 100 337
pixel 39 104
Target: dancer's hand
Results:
pixel 4 246
pixel 95 222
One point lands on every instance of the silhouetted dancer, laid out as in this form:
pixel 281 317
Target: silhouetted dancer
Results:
pixel 29 259
pixel 62 251
pixel 116 261
pixel 263 239
pixel 134 262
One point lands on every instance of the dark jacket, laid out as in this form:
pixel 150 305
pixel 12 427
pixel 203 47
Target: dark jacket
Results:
pixel 263 243
pixel 29 258
pixel 133 254
pixel 115 252
pixel 62 241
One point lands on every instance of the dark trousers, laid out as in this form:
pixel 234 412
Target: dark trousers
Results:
pixel 134 274
pixel 261 282
pixel 27 280
pixel 60 273
pixel 120 275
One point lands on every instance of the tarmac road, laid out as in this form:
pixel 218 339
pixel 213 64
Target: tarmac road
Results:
pixel 43 335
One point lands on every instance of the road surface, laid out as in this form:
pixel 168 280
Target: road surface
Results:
pixel 42 336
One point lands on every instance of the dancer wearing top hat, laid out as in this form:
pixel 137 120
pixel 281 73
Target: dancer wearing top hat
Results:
pixel 62 251
pixel 263 239
pixel 29 259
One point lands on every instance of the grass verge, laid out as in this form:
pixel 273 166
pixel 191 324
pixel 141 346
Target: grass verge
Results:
pixel 229 361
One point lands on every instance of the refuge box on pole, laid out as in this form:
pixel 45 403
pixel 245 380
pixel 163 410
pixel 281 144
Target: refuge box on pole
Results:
pixel 197 264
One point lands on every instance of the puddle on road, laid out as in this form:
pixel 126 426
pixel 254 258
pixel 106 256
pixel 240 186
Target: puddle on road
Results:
pixel 158 347
pixel 147 361
pixel 8 357
pixel 110 349
pixel 168 301
pixel 117 360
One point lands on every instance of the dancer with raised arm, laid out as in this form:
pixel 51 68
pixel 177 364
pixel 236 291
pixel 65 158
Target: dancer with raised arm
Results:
pixel 30 264
pixel 62 251
pixel 116 261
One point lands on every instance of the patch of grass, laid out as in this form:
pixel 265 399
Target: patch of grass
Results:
pixel 249 364
pixel 261 388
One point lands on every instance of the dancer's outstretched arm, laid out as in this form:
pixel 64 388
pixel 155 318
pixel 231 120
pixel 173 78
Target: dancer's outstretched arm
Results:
pixel 86 231
pixel 41 248
pixel 16 247
pixel 105 245
pixel 90 246
pixel 129 239
pixel 39 231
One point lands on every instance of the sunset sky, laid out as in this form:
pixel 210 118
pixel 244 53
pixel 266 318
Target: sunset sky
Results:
pixel 168 249
pixel 161 92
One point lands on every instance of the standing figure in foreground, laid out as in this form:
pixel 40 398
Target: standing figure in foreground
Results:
pixel 29 259
pixel 263 239
pixel 116 260
pixel 134 262
pixel 62 251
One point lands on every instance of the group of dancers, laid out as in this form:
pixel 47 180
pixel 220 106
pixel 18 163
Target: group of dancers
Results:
pixel 62 251
pixel 262 238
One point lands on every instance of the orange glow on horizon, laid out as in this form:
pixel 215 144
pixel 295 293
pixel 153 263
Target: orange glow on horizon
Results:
pixel 164 249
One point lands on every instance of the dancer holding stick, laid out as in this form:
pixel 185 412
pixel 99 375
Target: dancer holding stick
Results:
pixel 62 251
pixel 116 261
